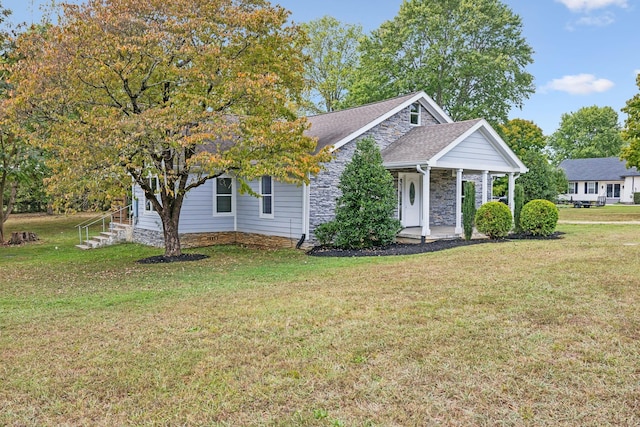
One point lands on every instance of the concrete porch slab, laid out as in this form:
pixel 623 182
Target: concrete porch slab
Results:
pixel 413 234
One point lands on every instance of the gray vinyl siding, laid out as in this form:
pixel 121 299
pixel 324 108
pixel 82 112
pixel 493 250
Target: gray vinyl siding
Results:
pixel 476 149
pixel 197 214
pixel 287 211
pixel 147 220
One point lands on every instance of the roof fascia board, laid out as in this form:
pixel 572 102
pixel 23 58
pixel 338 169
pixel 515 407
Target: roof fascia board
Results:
pixel 448 166
pixel 435 109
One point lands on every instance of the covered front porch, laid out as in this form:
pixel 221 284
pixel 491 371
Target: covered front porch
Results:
pixel 431 164
pixel 430 201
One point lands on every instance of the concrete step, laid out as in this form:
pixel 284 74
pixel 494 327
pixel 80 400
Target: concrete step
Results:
pixel 83 247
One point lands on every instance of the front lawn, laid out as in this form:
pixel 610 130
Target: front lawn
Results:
pixel 540 333
pixel 603 213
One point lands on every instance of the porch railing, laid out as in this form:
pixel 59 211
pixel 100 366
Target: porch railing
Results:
pixel 120 216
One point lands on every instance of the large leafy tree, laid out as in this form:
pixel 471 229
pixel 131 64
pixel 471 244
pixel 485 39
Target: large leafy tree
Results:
pixel 588 133
pixel 468 55
pixel 184 90
pixel 631 132
pixel 543 180
pixel 20 164
pixel 333 53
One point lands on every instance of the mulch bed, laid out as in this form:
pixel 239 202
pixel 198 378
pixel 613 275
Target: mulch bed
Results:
pixel 393 249
pixel 412 249
pixel 161 259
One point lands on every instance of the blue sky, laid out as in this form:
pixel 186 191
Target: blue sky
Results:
pixel 586 51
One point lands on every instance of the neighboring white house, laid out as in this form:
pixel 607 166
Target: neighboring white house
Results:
pixel 606 177
pixel 428 154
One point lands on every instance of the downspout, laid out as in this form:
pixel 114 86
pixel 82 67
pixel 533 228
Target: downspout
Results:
pixel 305 215
pixel 426 193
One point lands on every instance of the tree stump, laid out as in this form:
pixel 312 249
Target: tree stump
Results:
pixel 21 237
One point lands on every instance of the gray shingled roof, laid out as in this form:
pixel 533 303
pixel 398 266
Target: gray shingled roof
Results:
pixel 598 169
pixel 331 128
pixel 422 143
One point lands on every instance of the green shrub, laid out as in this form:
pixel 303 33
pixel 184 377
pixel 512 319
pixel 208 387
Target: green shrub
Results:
pixel 636 198
pixel 468 209
pixel 326 232
pixel 539 217
pixel 494 219
pixel 518 202
pixel 365 210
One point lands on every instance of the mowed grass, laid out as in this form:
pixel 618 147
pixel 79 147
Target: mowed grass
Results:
pixel 521 333
pixel 605 213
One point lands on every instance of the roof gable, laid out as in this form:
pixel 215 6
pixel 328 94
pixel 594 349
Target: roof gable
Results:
pixel 340 127
pixel 597 169
pixel 471 144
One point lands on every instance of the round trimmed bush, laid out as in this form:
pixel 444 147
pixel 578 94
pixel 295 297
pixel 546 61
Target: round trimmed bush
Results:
pixel 539 217
pixel 494 219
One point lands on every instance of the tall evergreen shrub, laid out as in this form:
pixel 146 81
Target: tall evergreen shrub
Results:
pixel 469 209
pixel 365 210
pixel 518 203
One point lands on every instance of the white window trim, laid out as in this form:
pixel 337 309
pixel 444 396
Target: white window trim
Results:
pixel 573 187
pixel 272 195
pixel 232 195
pixel 418 113
pixel 151 208
pixel 592 187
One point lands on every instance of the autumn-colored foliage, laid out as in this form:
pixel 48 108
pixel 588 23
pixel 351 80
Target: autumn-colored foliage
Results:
pixel 183 89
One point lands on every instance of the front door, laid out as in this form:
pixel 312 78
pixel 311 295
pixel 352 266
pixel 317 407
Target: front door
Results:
pixel 411 200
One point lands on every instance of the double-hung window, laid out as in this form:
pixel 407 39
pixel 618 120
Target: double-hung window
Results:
pixel 223 196
pixel 591 187
pixel 266 197
pixel 573 188
pixel 414 114
pixel 155 188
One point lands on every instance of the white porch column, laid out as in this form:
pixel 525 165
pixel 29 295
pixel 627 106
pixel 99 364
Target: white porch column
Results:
pixel 458 201
pixel 485 185
pixel 426 201
pixel 512 184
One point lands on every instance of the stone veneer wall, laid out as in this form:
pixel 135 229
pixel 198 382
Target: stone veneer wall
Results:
pixel 198 240
pixel 443 196
pixel 324 187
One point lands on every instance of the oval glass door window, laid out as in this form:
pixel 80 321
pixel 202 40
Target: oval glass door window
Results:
pixel 412 193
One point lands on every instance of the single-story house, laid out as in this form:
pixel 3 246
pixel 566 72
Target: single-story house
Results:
pixel 606 177
pixel 428 154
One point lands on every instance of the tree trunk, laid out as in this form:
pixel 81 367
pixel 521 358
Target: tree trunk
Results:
pixel 6 206
pixel 171 237
pixel 20 237
pixel 170 214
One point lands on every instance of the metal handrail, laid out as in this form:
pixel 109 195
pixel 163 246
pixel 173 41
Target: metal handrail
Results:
pixel 95 220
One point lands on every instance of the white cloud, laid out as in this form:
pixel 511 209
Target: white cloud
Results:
pixel 580 84
pixel 588 5
pixel 597 21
